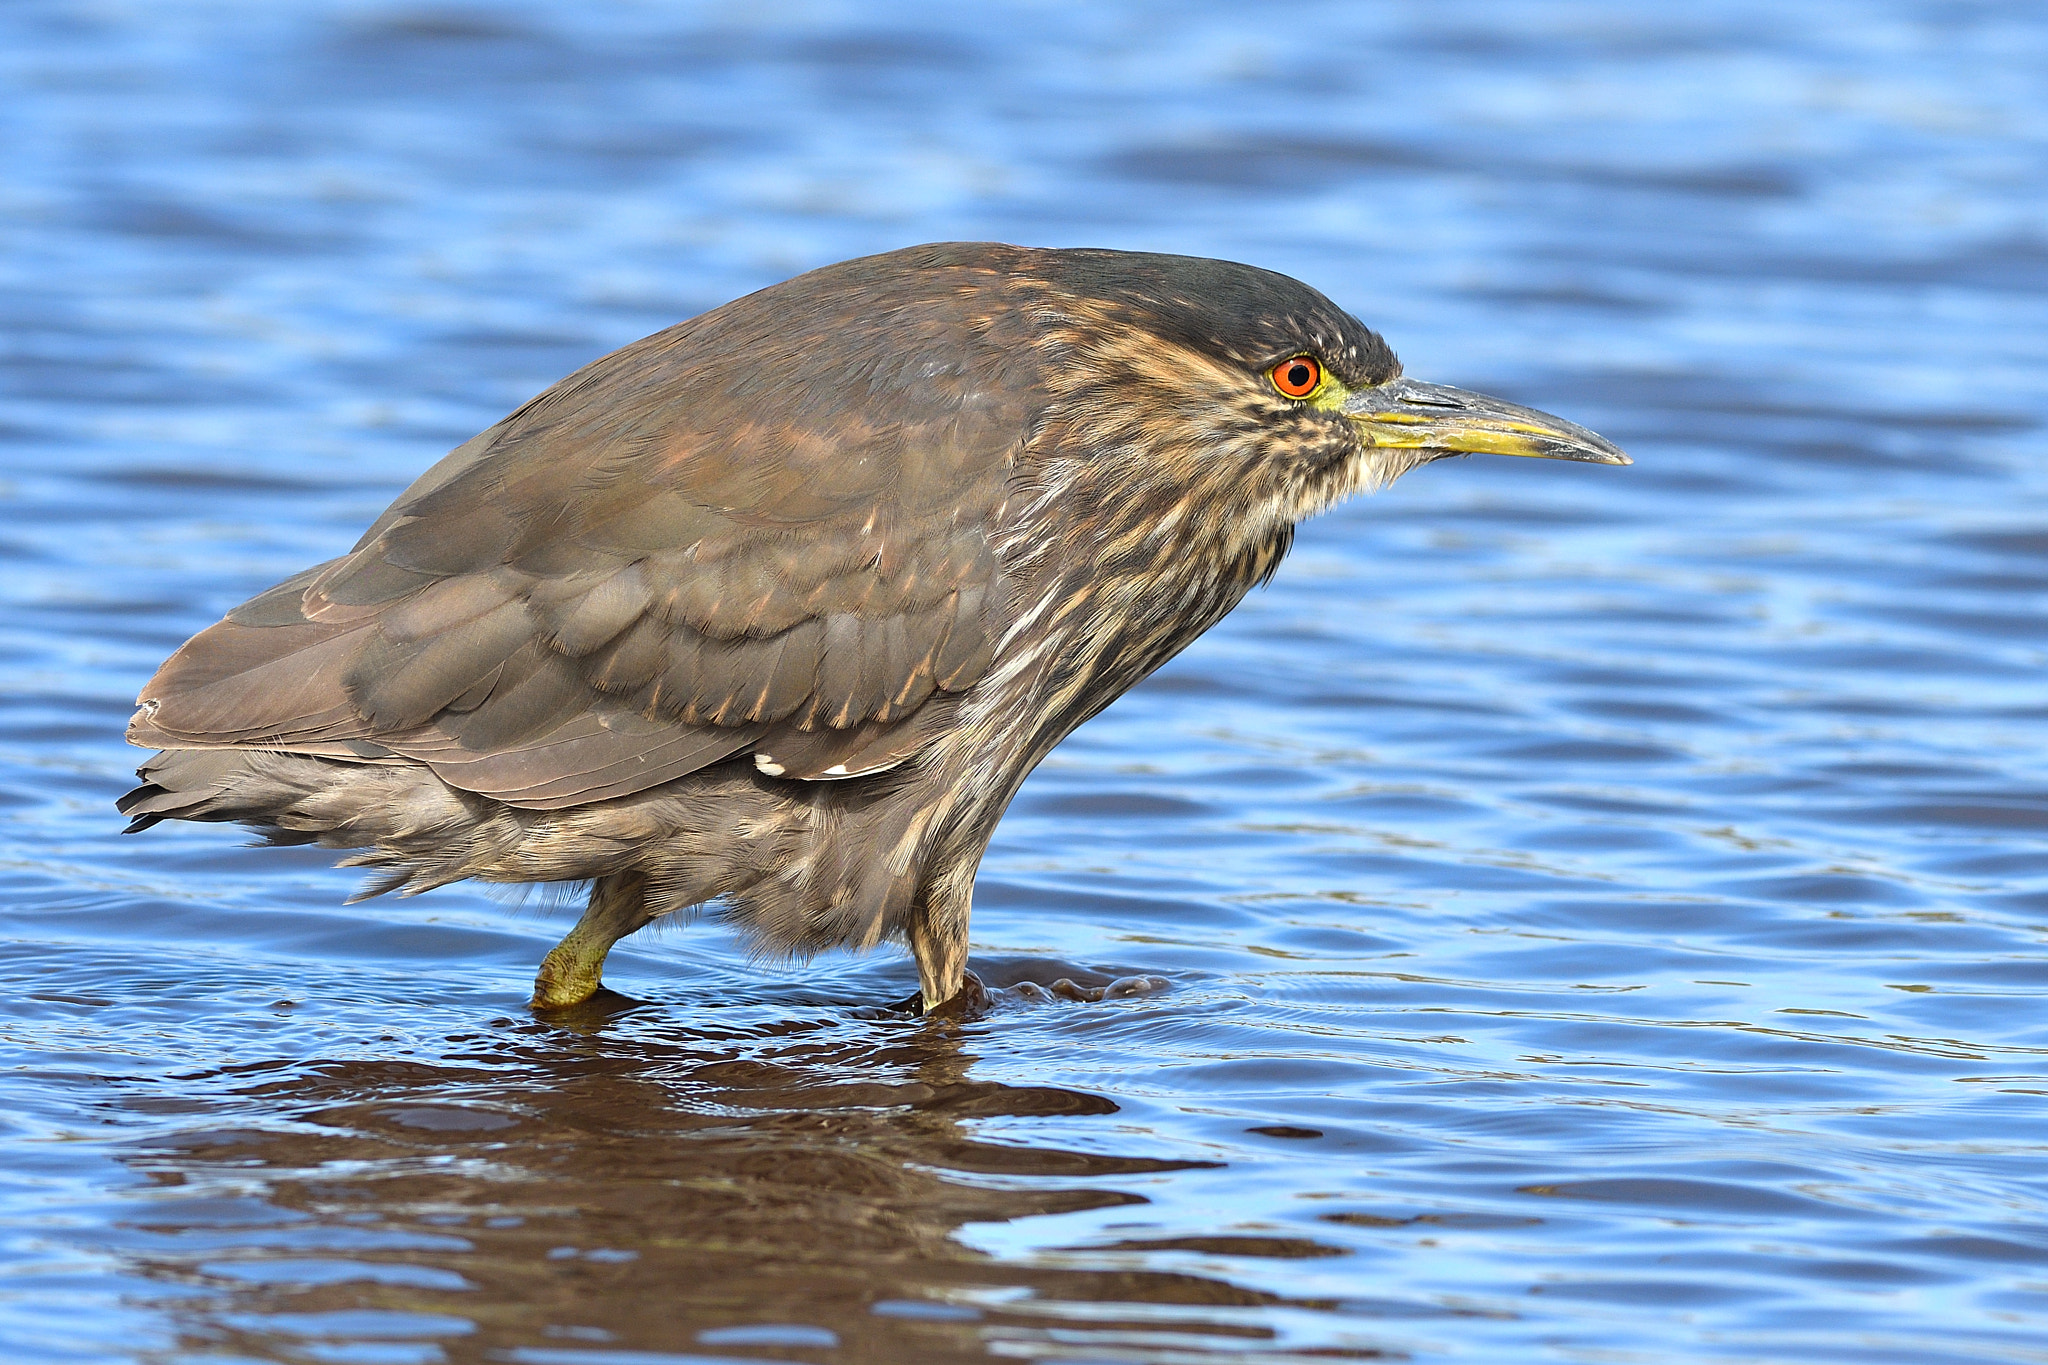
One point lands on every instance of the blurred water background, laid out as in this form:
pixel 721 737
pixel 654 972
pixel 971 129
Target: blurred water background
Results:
pixel 1604 908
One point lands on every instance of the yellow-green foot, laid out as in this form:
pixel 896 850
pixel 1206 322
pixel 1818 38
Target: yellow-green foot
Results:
pixel 573 970
pixel 570 974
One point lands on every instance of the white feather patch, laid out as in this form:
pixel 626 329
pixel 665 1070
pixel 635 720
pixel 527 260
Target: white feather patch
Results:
pixel 838 772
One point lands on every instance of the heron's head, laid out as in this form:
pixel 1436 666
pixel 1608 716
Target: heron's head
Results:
pixel 1202 393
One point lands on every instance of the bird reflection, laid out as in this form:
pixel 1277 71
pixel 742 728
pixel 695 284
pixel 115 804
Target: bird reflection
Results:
pixel 610 1182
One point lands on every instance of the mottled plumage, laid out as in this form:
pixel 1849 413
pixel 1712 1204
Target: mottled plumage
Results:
pixel 779 606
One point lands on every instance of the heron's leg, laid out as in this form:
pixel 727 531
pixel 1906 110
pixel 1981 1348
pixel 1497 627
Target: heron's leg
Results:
pixel 939 942
pixel 573 970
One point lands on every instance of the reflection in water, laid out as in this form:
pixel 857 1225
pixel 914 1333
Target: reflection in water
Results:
pixel 547 1189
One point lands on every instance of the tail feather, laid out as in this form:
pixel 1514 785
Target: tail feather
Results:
pixel 180 784
pixel 417 829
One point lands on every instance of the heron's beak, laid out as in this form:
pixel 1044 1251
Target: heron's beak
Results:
pixel 1410 414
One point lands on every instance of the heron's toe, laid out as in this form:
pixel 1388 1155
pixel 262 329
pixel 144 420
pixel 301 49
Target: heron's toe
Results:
pixel 567 979
pixel 1066 988
pixel 971 1001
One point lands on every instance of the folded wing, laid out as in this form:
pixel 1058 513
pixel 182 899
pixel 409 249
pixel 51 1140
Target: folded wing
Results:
pixel 760 532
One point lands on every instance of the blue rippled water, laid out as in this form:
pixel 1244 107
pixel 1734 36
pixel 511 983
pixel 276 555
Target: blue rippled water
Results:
pixel 1604 909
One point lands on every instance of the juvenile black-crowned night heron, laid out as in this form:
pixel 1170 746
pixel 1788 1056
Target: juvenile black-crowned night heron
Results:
pixel 778 607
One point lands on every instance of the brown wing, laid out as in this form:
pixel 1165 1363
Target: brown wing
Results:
pixel 767 530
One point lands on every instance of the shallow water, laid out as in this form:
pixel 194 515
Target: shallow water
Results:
pixel 1603 909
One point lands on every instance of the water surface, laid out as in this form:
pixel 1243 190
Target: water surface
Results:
pixel 1604 909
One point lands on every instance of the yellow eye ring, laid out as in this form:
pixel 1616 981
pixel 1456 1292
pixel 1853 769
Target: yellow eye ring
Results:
pixel 1298 377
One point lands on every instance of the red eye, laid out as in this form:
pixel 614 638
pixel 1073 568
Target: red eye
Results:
pixel 1297 378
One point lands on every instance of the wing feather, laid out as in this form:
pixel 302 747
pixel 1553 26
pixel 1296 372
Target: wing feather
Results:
pixel 666 557
pixel 397 685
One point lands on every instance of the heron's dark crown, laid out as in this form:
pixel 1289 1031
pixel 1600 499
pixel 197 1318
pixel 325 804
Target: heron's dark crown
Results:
pixel 1238 313
pixel 1235 312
